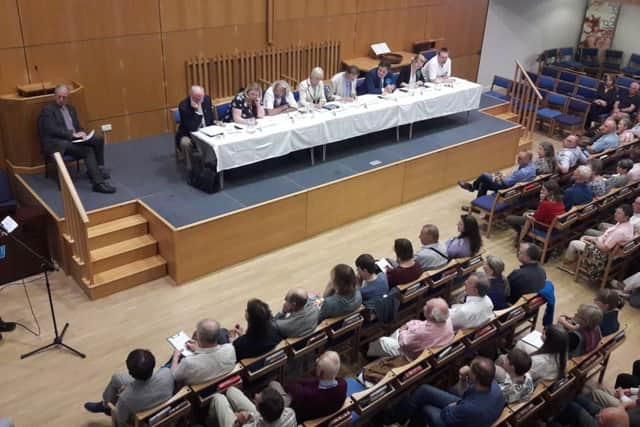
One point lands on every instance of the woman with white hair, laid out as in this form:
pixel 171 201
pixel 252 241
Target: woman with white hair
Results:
pixel 584 329
pixel 312 89
pixel 278 98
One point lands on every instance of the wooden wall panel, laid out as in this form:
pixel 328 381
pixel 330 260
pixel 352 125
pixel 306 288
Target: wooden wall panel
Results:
pixel 464 29
pixel 181 45
pixel 72 20
pixel 307 30
pixel 299 9
pixel 10 35
pixel 132 126
pixel 13 69
pixel 466 66
pixel 180 15
pixel 121 75
pixel 373 27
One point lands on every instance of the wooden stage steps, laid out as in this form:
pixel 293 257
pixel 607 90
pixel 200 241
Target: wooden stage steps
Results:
pixel 123 252
pixel 503 111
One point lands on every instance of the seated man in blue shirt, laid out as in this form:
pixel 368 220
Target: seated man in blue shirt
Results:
pixel 580 192
pixel 481 403
pixel 380 80
pixel 525 171
pixel 373 284
pixel 608 138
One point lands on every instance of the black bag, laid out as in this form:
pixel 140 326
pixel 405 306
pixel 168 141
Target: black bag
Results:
pixel 202 175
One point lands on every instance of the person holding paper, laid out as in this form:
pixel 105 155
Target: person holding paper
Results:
pixel 380 80
pixel 60 131
pixel 209 359
pixel 438 68
pixel 196 111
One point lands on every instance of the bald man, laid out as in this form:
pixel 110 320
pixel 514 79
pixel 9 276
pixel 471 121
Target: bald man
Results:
pixel 417 335
pixel 196 111
pixel 628 103
pixel 59 127
pixel 524 171
pixel 319 396
pixel 570 155
pixel 608 139
pixel 209 359
pixel 584 412
pixel 299 315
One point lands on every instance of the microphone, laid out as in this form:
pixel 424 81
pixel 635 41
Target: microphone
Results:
pixel 37 74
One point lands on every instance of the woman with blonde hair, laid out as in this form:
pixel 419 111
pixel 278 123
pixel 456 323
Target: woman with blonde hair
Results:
pixel 311 90
pixel 246 105
pixel 546 161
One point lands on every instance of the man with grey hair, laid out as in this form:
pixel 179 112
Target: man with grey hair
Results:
pixel 60 131
pixel 209 359
pixel 195 112
pixel 580 192
pixel 278 98
pixel 608 139
pixel 570 155
pixel 628 103
pixel 311 90
pixel 417 335
pixel 432 254
pixel 477 308
pixel 299 315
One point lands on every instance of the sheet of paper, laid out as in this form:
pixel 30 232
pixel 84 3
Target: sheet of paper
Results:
pixel 178 342
pixel 213 130
pixel 9 224
pixel 383 264
pixel 380 48
pixel 534 339
pixel 85 139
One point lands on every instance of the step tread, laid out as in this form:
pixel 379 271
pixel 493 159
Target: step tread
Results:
pixel 126 270
pixel 121 247
pixel 115 225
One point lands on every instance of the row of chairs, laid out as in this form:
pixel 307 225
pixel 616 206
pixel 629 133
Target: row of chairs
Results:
pixel 588 60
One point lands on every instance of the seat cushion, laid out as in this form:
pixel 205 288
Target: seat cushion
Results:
pixel 569 120
pixel 542 233
pixel 548 113
pixel 498 95
pixel 486 202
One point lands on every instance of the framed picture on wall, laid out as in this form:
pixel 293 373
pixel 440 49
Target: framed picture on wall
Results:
pixel 599 24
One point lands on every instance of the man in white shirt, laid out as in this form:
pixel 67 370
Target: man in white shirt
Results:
pixel 342 86
pixel 278 98
pixel 477 308
pixel 210 360
pixel 438 68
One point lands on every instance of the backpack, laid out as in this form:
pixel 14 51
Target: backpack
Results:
pixel 203 175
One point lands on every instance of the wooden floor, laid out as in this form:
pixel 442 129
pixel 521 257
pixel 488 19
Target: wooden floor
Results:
pixel 50 388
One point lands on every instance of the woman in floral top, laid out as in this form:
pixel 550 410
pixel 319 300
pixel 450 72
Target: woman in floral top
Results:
pixel 246 105
pixel 546 161
pixel 598 184
pixel 516 382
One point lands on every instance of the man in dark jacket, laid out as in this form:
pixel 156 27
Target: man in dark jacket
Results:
pixel 530 277
pixel 59 127
pixel 196 111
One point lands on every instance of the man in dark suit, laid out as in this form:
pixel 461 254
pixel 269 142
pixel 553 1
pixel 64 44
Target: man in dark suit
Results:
pixel 196 111
pixel 58 127
pixel 380 80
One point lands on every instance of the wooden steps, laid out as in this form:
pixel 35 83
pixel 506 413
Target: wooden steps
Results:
pixel 512 117
pixel 123 253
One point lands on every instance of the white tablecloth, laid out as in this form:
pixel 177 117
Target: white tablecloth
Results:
pixel 279 135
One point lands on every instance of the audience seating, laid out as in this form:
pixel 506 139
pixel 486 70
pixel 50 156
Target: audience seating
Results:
pixel 633 66
pixel 574 117
pixel 547 70
pixel 587 81
pixel 585 93
pixel 612 61
pixel 546 82
pixel 625 82
pixel 588 58
pixel 175 410
pixel 340 418
pixel 567 76
pixel 553 106
pixel 344 333
pixel 565 59
pixel 617 261
pixel 565 88
pixel 269 364
pixel 501 82
pixel 202 393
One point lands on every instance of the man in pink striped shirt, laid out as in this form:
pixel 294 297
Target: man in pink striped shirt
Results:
pixel 417 335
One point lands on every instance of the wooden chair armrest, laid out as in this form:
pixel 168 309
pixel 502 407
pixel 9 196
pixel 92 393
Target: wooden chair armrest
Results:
pixel 180 394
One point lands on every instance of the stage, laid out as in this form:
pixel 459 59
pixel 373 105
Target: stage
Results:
pixel 280 201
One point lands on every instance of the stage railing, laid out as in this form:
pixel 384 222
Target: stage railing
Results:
pixel 525 100
pixel 223 76
pixel 76 224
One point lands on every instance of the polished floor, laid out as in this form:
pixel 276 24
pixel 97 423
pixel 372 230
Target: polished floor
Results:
pixel 49 389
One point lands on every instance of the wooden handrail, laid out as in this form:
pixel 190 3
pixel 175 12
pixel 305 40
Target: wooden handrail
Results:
pixel 77 223
pixel 526 76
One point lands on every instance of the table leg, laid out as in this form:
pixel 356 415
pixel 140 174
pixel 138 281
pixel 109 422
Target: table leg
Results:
pixel 313 159
pixel 221 180
pixel 324 152
pixel 468 113
pixel 410 130
pixel 397 133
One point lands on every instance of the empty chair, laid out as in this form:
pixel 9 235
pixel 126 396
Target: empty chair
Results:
pixel 633 66
pixel 428 54
pixel 566 59
pixel 549 71
pixel 565 88
pixel 575 116
pixel 588 57
pixel 501 82
pixel 549 56
pixel 612 60
pixel 533 76
pixel 585 93
pixel 546 82
pixel 223 109
pixel 568 76
pixel 587 81
pixel 624 81
pixel 554 106
pixel 361 89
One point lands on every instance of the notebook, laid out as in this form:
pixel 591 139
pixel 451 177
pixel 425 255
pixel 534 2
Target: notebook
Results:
pixel 534 339
pixel 178 342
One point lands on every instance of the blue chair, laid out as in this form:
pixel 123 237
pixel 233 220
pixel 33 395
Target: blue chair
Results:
pixel 296 95
pixel 622 91
pixel 501 82
pixel 575 116
pixel 586 93
pixel 554 106
pixel 546 82
pixel 223 110
pixel 633 66
pixel 566 59
pixel 612 60
pixel 7 202
pixel 361 89
pixel 549 56
pixel 589 82
pixel 624 81
pixel 533 76
pixel 588 57
pixel 428 54
pixel 549 71
pixel 568 76
pixel 565 88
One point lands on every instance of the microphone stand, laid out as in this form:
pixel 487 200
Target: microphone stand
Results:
pixel 46 266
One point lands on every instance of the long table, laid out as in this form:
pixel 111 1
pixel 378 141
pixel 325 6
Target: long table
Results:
pixel 276 136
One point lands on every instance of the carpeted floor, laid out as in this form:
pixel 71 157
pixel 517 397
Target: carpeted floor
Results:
pixel 146 169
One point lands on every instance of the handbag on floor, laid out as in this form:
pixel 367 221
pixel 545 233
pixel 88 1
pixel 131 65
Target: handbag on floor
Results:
pixel 202 175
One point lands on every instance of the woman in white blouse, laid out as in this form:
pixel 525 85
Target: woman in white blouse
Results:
pixel 311 90
pixel 548 363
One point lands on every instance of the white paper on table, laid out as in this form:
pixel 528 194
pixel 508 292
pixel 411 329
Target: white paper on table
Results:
pixel 86 138
pixel 380 48
pixel 213 130
pixel 178 342
pixel 533 339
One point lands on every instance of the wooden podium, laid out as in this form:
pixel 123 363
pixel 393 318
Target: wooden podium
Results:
pixel 19 127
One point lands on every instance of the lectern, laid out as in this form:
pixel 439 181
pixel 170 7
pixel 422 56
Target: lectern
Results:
pixel 19 126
